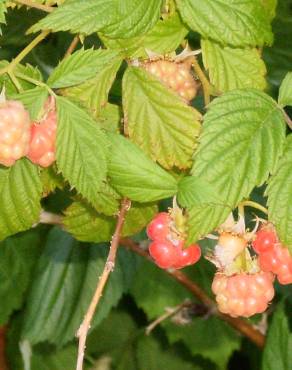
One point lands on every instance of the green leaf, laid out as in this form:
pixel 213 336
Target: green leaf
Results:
pixel 82 149
pixel 242 140
pixel 277 352
pixel 51 180
pixel 20 194
pixel 165 37
pixel 135 175
pixel 33 100
pixel 17 257
pixel 2 13
pixel 279 194
pixel 81 66
pixel 45 358
pixel 64 283
pixel 110 118
pixel 158 120
pixel 93 94
pixel 243 23
pixel 114 18
pixel 193 191
pixel 233 68
pixel 285 93
pixel 86 224
pixel 152 356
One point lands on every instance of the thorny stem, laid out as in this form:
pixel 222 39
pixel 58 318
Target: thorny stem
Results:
pixel 108 268
pixel 24 52
pixel 72 46
pixel 205 83
pixel 240 325
pixel 32 4
pixel 250 203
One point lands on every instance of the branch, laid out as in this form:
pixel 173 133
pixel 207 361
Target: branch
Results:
pixel 240 325
pixel 108 268
pixel 72 46
pixel 32 4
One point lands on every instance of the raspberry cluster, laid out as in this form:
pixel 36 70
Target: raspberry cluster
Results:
pixel 273 256
pixel 176 76
pixel 43 137
pixel 168 247
pixel 14 131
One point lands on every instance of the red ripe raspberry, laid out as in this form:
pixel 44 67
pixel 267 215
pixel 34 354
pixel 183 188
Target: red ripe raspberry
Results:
pixel 14 132
pixel 176 76
pixel 164 253
pixel 158 228
pixel 43 137
pixel 243 294
pixel 188 256
pixel 279 261
pixel 265 240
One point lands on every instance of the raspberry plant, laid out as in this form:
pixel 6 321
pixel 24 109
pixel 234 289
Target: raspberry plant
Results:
pixel 145 177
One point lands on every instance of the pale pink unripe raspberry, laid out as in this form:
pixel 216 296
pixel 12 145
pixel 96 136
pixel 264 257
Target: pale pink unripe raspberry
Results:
pixel 43 137
pixel 14 131
pixel 278 260
pixel 176 76
pixel 243 294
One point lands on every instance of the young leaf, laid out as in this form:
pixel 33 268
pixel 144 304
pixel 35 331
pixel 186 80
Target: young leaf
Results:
pixel 285 92
pixel 63 286
pixel 20 194
pixel 279 194
pixel 135 175
pixel 86 224
pixel 81 66
pixel 93 94
pixel 231 22
pixel 18 255
pixel 277 352
pixel 81 149
pixel 33 100
pixel 233 68
pixel 158 120
pixel 114 18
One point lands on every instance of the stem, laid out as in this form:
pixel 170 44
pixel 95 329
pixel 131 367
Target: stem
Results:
pixel 108 268
pixel 35 82
pixel 24 52
pixel 240 325
pixel 15 81
pixel 32 4
pixel 72 46
pixel 205 82
pixel 250 203
pixel 287 119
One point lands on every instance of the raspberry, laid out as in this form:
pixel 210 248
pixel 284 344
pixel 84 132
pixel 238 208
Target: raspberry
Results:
pixel 164 253
pixel 265 239
pixel 43 137
pixel 176 76
pixel 187 256
pixel 158 228
pixel 279 261
pixel 243 294
pixel 14 132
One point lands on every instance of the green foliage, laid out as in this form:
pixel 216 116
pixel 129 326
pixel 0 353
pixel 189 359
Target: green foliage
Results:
pixel 153 122
pixel 285 93
pixel 279 194
pixel 33 100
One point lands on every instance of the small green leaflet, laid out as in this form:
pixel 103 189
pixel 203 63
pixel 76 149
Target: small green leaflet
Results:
pixel 243 23
pixel 64 282
pixel 242 140
pixel 277 352
pixel 20 195
pixel 2 13
pixel 158 120
pixel 279 194
pixel 135 175
pixel 82 149
pixel 33 100
pixel 233 68
pixel 86 224
pixel 285 92
pixel 114 18
pixel 93 94
pixel 81 66
pixel 17 255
